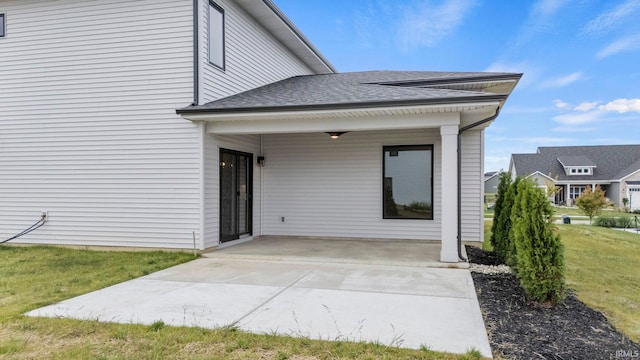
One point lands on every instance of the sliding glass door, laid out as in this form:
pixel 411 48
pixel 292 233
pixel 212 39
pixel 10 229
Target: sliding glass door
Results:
pixel 235 194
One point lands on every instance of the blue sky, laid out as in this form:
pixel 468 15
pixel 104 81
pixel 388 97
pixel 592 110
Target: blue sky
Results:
pixel 580 59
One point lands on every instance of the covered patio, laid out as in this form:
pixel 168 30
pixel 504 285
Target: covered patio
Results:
pixel 378 155
pixel 416 253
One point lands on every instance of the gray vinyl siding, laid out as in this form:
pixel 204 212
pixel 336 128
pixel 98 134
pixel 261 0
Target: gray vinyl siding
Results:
pixel 491 185
pixel 472 217
pixel 539 179
pixel 623 189
pixel 325 187
pixel 614 193
pixel 253 57
pixel 213 144
pixel 89 131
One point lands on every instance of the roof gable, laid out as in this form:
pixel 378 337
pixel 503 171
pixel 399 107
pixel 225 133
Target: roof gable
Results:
pixel 577 160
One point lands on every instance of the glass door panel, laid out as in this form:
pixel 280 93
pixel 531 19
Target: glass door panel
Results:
pixel 235 194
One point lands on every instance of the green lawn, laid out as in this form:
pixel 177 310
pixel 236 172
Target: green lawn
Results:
pixel 603 268
pixel 31 277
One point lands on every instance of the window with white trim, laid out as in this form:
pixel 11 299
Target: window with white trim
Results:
pixel 578 171
pixel 216 35
pixel 576 191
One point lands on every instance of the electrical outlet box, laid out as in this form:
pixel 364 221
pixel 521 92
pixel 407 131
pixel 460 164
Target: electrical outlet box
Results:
pixel 45 214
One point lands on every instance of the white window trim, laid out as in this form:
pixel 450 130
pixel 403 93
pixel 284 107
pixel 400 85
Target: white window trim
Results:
pixel 219 63
pixel 572 171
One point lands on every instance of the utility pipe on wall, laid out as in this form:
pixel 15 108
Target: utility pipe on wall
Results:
pixel 463 129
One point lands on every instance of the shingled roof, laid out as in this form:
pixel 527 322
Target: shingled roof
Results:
pixel 612 162
pixel 364 89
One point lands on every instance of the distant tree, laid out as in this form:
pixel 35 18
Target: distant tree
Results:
pixel 552 188
pixel 591 202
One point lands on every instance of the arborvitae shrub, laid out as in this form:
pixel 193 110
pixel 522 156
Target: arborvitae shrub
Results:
pixel 501 240
pixel 509 250
pixel 497 232
pixel 538 251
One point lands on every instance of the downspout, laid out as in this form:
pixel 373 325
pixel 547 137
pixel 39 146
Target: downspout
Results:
pixel 463 129
pixel 196 68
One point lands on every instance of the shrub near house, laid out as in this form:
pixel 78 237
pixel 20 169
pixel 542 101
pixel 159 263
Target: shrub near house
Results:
pixel 524 238
pixel 538 251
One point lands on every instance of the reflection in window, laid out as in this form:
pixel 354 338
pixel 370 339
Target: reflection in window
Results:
pixel 216 35
pixel 408 182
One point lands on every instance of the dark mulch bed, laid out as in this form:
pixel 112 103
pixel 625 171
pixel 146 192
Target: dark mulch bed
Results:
pixel 519 329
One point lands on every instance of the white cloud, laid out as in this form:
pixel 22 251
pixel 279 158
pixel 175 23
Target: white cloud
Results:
pixel 562 81
pixel 561 104
pixel 573 129
pixel 621 106
pixel 620 45
pixel 545 140
pixel 591 112
pixel 609 19
pixel 425 24
pixel 586 106
pixel 546 8
pixel 579 118
pixel 540 21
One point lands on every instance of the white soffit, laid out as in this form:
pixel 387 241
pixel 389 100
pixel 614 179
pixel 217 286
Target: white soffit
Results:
pixel 467 109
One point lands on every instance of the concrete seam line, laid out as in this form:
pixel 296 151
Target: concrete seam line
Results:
pixel 271 298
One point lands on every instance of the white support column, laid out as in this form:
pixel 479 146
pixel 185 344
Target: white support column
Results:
pixel 449 197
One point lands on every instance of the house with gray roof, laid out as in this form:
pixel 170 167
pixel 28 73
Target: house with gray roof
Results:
pixel 226 126
pixel 491 181
pixel 615 168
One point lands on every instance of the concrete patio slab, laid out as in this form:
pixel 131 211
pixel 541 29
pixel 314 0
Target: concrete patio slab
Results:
pixel 406 306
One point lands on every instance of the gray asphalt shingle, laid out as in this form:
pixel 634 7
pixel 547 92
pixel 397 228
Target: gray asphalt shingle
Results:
pixel 612 162
pixel 356 88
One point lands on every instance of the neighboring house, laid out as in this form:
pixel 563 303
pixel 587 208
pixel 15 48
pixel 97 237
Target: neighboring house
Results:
pixel 192 123
pixel 491 182
pixel 616 168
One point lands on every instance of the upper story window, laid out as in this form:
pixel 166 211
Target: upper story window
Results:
pixel 580 171
pixel 2 26
pixel 216 35
pixel 407 183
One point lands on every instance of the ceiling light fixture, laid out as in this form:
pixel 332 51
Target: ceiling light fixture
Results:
pixel 336 134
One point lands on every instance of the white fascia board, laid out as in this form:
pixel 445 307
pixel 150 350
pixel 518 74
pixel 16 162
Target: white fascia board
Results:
pixel 582 182
pixel 543 175
pixel 465 109
pixel 290 125
pixel 492 176
pixel 626 176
